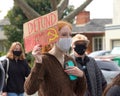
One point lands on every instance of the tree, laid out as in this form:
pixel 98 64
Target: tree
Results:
pixel 25 10
pixel 59 5
pixel 17 18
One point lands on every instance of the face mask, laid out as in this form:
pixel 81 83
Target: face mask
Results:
pixel 64 44
pixel 17 53
pixel 80 48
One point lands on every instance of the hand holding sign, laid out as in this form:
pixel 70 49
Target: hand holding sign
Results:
pixel 37 51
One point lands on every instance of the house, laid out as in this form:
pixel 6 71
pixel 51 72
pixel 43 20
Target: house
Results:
pixel 112 32
pixel 3 38
pixel 94 29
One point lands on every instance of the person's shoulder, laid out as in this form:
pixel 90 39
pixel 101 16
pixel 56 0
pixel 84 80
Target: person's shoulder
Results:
pixel 116 87
pixel 114 90
pixel 91 58
pixel 47 56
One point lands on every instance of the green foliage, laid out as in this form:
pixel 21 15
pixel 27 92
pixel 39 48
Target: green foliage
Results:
pixel 41 6
pixel 14 31
pixel 17 18
pixel 13 34
pixel 2 53
pixel 30 59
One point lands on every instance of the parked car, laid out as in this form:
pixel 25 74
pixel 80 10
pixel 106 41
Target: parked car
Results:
pixel 109 69
pixel 115 50
pixel 112 57
pixel 99 53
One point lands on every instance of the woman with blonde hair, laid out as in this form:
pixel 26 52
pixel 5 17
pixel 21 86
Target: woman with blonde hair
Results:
pixel 16 51
pixel 49 76
pixel 16 67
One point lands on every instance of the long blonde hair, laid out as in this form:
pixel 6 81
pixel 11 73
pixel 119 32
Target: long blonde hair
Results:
pixel 10 52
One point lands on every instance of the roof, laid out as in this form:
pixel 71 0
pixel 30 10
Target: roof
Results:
pixel 2 36
pixel 95 25
pixel 4 22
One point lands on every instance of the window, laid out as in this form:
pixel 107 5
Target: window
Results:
pixel 115 43
pixel 97 43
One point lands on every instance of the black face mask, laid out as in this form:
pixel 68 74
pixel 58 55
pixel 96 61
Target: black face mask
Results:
pixel 80 48
pixel 17 53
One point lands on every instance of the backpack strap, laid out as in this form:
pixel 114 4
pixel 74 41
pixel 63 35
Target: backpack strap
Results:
pixel 7 68
pixel 2 74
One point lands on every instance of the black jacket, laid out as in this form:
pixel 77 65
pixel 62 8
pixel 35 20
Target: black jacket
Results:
pixel 114 91
pixel 17 72
pixel 95 79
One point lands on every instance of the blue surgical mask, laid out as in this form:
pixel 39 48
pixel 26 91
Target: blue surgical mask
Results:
pixel 64 44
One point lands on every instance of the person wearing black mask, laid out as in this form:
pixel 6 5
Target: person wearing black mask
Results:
pixel 17 69
pixel 96 82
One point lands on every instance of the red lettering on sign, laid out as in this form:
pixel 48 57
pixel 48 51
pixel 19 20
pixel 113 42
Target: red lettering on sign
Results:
pixel 30 27
pixel 36 24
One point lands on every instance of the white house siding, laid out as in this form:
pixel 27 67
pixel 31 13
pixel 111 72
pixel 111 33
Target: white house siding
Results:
pixel 112 33
pixel 116 12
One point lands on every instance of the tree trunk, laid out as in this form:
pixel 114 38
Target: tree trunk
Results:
pixel 27 10
pixel 31 13
pixel 77 11
pixel 61 7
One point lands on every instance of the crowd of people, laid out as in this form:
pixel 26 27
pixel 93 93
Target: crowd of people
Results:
pixel 57 72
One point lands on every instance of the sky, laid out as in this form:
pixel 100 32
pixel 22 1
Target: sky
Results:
pixel 97 8
pixel 5 5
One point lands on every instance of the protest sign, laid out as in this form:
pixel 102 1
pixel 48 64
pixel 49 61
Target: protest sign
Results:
pixel 41 30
